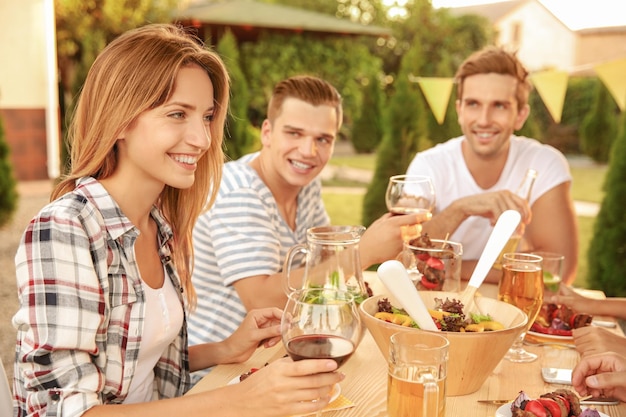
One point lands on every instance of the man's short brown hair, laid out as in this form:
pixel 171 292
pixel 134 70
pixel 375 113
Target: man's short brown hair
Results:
pixel 307 88
pixel 495 60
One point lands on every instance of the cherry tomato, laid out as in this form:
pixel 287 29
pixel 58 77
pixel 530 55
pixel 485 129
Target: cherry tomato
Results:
pixel 423 256
pixel 535 407
pixel 435 263
pixel 553 407
pixel 536 327
pixel 427 284
pixel 564 401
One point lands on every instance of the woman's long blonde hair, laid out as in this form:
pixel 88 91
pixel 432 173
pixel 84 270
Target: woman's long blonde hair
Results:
pixel 134 73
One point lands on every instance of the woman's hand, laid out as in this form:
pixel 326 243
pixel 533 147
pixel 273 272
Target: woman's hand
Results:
pixel 601 375
pixel 259 327
pixel 285 387
pixel 570 298
pixel 591 340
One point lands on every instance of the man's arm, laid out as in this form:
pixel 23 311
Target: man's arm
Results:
pixel 554 228
pixel 488 205
pixel 261 291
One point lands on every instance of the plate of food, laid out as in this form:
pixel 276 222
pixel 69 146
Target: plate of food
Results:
pixel 505 411
pixel 560 403
pixel 334 394
pixel 552 337
pixel 555 322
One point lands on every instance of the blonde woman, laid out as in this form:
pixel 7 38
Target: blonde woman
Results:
pixel 104 270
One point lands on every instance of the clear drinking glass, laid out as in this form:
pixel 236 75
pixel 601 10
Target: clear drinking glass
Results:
pixel 433 264
pixel 552 267
pixel 522 285
pixel 417 373
pixel 408 194
pixel 321 323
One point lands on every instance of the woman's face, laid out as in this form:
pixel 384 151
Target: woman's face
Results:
pixel 163 145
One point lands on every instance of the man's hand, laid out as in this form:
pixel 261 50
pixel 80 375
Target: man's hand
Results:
pixel 601 375
pixel 492 205
pixel 383 240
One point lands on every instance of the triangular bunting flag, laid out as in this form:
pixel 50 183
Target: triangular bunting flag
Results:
pixel 437 92
pixel 613 75
pixel 551 86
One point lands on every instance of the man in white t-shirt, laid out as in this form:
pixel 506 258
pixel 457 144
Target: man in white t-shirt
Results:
pixel 265 205
pixel 475 176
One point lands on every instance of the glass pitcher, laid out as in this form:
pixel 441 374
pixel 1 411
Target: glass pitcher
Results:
pixel 331 260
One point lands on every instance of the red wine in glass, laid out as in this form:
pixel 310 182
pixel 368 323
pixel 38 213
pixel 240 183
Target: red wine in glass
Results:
pixel 320 346
pixel 321 323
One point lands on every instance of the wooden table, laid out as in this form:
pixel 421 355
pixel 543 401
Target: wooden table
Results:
pixel 366 376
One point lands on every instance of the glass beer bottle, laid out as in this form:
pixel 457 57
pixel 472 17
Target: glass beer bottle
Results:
pixel 524 190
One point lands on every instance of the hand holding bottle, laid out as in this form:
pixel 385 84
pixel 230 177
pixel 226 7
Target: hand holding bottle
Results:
pixel 524 190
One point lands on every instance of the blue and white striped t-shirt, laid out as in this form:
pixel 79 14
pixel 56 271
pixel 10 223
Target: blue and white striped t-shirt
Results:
pixel 242 235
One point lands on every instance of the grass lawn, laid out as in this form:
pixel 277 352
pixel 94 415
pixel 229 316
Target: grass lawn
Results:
pixel 346 208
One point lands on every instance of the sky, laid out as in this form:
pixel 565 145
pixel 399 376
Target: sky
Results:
pixel 576 14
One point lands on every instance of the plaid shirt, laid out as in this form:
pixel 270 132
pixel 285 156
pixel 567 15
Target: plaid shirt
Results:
pixel 82 307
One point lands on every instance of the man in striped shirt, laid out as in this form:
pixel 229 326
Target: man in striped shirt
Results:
pixel 266 203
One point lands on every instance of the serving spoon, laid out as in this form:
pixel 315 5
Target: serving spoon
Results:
pixel 393 274
pixel 502 231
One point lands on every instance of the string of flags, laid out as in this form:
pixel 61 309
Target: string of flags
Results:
pixel 550 84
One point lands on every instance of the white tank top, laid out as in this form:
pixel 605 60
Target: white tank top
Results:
pixel 162 323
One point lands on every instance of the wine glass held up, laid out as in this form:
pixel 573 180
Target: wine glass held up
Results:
pixel 410 194
pixel 321 323
pixel 522 285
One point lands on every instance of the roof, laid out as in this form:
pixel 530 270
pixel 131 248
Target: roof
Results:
pixel 250 13
pixel 492 11
pixel 602 30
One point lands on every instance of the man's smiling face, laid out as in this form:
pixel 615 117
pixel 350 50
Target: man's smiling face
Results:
pixel 488 112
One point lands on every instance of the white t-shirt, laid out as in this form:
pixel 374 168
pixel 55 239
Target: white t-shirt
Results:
pixel 452 180
pixel 164 318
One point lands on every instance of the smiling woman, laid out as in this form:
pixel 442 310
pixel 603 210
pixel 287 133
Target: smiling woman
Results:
pixel 110 258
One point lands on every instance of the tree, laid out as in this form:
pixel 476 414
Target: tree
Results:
pixel 407 126
pixel 340 60
pixel 607 250
pixel 240 137
pixel 368 128
pixel 8 186
pixel 599 127
pixel 362 11
pixel 83 28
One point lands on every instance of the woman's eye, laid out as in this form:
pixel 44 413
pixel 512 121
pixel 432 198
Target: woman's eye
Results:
pixel 177 115
pixel 209 117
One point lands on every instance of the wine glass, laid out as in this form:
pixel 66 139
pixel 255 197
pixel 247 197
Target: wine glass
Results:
pixel 522 285
pixel 408 194
pixel 321 323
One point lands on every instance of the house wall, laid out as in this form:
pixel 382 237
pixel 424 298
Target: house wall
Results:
pixel 544 41
pixel 600 46
pixel 23 86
